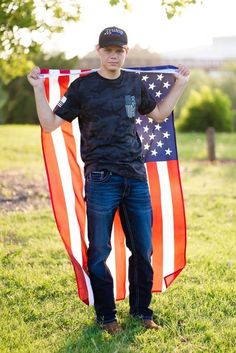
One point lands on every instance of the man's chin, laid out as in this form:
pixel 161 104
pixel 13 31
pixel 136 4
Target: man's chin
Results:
pixel 114 67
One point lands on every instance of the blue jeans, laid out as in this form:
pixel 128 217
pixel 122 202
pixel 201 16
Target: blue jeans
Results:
pixel 105 193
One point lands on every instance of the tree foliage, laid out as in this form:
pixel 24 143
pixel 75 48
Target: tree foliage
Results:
pixel 198 78
pixel 173 7
pixel 207 107
pixel 20 108
pixel 227 81
pixel 23 23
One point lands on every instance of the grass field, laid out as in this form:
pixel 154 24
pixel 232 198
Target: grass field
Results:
pixel 40 311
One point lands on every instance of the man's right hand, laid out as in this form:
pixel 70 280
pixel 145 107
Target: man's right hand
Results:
pixel 34 79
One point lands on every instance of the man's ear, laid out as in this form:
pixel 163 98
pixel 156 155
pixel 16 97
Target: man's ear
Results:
pixel 97 48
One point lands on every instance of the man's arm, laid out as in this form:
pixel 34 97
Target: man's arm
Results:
pixel 48 120
pixel 164 109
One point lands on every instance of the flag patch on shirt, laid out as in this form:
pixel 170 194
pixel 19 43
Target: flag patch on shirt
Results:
pixel 62 101
pixel 130 106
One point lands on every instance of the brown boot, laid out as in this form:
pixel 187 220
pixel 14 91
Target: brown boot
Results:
pixel 150 324
pixel 112 327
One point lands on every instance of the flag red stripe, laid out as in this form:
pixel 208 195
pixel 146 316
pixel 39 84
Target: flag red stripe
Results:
pixel 157 240
pixel 56 189
pixel 120 257
pixel 179 221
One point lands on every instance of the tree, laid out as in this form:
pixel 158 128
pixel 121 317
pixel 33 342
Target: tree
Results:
pixel 21 22
pixel 20 106
pixel 206 108
pixel 227 82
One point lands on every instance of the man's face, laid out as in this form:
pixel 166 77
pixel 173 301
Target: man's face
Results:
pixel 112 57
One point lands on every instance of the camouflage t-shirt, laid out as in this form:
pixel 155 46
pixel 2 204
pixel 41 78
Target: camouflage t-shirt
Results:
pixel 107 110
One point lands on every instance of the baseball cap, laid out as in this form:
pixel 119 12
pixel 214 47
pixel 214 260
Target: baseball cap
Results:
pixel 112 36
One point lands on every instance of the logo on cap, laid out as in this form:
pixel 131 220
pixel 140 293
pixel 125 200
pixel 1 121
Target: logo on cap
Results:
pixel 112 36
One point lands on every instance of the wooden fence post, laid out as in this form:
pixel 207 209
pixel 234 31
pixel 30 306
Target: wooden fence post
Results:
pixel 210 132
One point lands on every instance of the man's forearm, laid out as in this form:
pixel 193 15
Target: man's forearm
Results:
pixel 170 101
pixel 45 113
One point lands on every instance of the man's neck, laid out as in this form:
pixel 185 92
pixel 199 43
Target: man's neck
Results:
pixel 111 75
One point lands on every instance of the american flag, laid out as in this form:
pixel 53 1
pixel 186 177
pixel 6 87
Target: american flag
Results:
pixel 64 167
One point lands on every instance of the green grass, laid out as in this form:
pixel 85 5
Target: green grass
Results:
pixel 193 146
pixel 40 311
pixel 20 148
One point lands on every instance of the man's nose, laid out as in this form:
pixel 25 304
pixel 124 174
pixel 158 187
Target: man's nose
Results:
pixel 113 55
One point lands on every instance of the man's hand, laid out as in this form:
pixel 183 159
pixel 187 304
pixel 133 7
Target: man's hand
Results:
pixel 182 75
pixel 34 79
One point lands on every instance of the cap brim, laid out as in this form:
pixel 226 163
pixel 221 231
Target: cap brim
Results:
pixel 112 42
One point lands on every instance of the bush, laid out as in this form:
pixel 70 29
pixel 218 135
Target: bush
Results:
pixel 207 107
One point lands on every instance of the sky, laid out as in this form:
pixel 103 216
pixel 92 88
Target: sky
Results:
pixel 147 25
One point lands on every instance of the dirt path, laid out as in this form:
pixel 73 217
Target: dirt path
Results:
pixel 19 193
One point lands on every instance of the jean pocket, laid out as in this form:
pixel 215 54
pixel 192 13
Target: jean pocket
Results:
pixel 100 176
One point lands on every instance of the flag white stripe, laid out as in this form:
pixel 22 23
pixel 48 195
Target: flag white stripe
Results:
pixel 128 254
pixel 111 261
pixel 89 289
pixel 54 88
pixel 167 219
pixel 77 137
pixel 68 191
pixel 53 73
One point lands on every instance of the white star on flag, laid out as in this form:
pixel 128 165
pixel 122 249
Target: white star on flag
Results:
pixel 168 151
pixel 152 136
pixel 160 144
pixel 166 84
pixel 158 94
pixel 146 146
pixel 146 128
pixel 160 77
pixel 154 152
pixel 144 78
pixel 152 86
pixel 138 121
pixel 158 127
pixel 166 134
pixel 141 138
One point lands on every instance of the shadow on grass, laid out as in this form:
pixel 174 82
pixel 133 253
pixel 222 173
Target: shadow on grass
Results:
pixel 91 339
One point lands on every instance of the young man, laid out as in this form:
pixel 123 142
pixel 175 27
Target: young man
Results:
pixel 107 102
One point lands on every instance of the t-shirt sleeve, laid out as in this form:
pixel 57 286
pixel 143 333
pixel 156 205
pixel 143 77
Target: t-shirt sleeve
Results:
pixel 148 102
pixel 68 108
